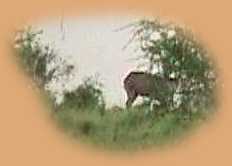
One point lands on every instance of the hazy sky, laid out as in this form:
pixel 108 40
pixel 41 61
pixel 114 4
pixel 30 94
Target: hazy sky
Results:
pixel 93 45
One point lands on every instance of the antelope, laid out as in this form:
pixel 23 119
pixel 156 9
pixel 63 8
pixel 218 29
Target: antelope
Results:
pixel 149 85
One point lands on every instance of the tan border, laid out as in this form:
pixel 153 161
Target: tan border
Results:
pixel 27 136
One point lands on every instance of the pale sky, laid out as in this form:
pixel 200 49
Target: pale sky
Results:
pixel 93 46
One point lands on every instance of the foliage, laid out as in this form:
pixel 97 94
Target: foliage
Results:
pixel 175 53
pixel 40 60
pixel 129 130
pixel 87 96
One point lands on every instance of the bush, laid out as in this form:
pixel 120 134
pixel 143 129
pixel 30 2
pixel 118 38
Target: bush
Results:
pixel 172 52
pixel 88 96
pixel 42 62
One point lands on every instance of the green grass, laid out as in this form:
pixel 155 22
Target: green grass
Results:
pixel 129 129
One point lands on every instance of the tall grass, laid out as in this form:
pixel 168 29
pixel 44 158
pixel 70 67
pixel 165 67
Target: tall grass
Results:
pixel 137 128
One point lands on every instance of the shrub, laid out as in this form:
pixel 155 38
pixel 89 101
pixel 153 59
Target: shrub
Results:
pixel 173 52
pixel 87 96
pixel 42 62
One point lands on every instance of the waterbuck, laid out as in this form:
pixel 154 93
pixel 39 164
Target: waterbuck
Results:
pixel 149 85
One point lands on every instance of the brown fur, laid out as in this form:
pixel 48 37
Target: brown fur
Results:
pixel 144 84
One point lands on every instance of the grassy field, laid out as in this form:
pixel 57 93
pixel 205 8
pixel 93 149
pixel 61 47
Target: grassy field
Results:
pixel 132 129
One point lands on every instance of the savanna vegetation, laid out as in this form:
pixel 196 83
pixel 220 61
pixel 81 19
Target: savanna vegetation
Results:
pixel 170 49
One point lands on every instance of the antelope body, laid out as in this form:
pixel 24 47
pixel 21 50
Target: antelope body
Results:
pixel 146 84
